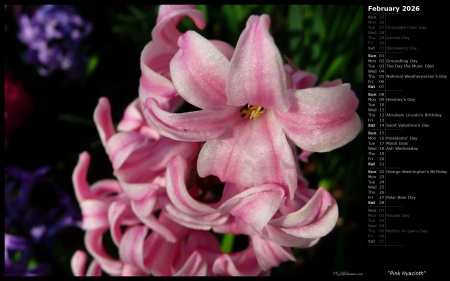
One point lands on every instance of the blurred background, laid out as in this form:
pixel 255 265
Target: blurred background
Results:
pixel 49 104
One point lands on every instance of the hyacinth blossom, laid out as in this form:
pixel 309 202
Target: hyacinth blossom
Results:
pixel 258 210
pixel 248 114
pixel 18 103
pixel 165 208
pixel 173 246
pixel 54 35
pixel 30 223
pixel 155 78
pixel 132 201
pixel 141 252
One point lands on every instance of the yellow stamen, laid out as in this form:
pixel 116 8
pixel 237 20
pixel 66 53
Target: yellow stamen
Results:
pixel 251 111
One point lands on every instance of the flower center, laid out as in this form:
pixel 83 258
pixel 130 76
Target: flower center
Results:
pixel 251 111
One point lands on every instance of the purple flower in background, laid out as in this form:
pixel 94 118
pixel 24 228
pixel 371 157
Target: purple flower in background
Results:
pixel 54 36
pixel 18 253
pixel 36 210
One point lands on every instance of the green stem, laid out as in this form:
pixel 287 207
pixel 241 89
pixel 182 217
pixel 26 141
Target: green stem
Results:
pixel 227 243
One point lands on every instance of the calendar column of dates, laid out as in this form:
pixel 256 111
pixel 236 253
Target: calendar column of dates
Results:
pixel 376 129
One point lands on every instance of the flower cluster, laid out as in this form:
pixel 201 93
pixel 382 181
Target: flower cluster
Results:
pixel 231 167
pixel 31 224
pixel 54 37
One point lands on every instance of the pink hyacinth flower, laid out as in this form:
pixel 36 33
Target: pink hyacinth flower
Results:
pixel 301 79
pixel 197 253
pixel 78 265
pixel 256 260
pixel 104 207
pixel 255 205
pixel 192 254
pixel 311 215
pixel 258 210
pixel 253 150
pixel 134 121
pixel 155 78
pixel 137 157
pixel 139 162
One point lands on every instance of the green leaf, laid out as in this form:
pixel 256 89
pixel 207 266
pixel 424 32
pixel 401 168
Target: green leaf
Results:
pixel 325 183
pixel 337 63
pixel 136 12
pixel 295 25
pixel 93 62
pixel 75 119
pixel 32 263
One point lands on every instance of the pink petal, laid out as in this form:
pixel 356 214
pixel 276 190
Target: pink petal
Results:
pixel 131 270
pixel 200 222
pixel 136 158
pixel 202 240
pixel 315 219
pixel 159 254
pixel 94 269
pixel 176 177
pixel 235 225
pixel 139 191
pixel 282 238
pixel 242 263
pixel 195 265
pixel 321 119
pixel 178 230
pixel 153 223
pixel 103 120
pixel 115 214
pixel 303 79
pixel 143 210
pixel 165 11
pixel 251 153
pixel 332 83
pixel 269 254
pixel 94 245
pixel 168 18
pixel 304 156
pixel 256 73
pixel 224 47
pixel 95 214
pixel 155 74
pixel 78 263
pixel 145 206
pixel 297 78
pixel 256 205
pixel 81 186
pixel 125 150
pixel 133 120
pixel 131 247
pixel 199 72
pixel 106 188
pixel 194 126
